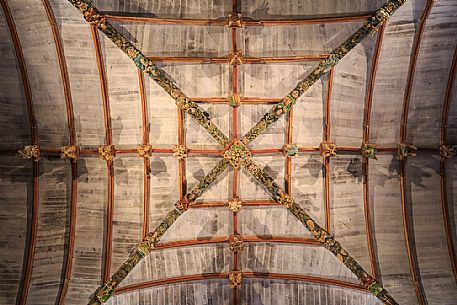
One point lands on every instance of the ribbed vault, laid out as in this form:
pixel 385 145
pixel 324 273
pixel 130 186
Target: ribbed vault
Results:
pixel 68 224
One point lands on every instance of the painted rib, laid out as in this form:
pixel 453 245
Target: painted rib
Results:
pixel 323 68
pixel 444 195
pixel 366 139
pixel 110 167
pixel 104 292
pixel 410 247
pixel 68 263
pixel 146 65
pixel 326 138
pixel 324 238
pixel 252 275
pixel 29 250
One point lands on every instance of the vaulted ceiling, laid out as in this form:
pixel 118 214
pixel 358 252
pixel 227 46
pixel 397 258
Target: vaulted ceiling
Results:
pixel 67 224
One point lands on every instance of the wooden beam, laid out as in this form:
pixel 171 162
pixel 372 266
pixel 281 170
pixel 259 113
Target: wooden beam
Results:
pixel 410 247
pixel 326 138
pixel 365 161
pixel 68 263
pixel 211 204
pixel 108 241
pixel 29 250
pixel 443 141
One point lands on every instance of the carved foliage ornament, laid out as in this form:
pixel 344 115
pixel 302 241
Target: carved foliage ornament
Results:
pixel 235 205
pixel 327 149
pixel 236 243
pixel 180 152
pixel 234 100
pixel 448 151
pixel 290 150
pixel 369 151
pixel 406 150
pixel 69 152
pixel 144 151
pixel 237 153
pixel 234 20
pixel 236 58
pixel 235 279
pixel 30 152
pixel 106 152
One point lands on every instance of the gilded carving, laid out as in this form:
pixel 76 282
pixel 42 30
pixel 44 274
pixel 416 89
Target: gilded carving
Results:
pixel 180 152
pixel 235 279
pixel 234 20
pixel 327 149
pixel 235 205
pixel 448 151
pixel 69 152
pixel 106 152
pixel 290 150
pixel 369 151
pixel 94 17
pixel 237 153
pixel 30 152
pixel 144 151
pixel 236 243
pixel 406 150
pixel 234 100
pixel 236 58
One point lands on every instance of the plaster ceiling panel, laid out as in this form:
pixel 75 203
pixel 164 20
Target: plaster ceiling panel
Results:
pixel 89 230
pixel 307 260
pixel 422 189
pixel 177 262
pixel 164 184
pixel 387 225
pixel 308 185
pixel 432 73
pixel 271 292
pixel 389 88
pixel 273 137
pixel 202 292
pixel 295 40
pixel 128 207
pixel 199 166
pixel 272 80
pixel 451 187
pixel 250 188
pixel 177 40
pixel 308 113
pixel 40 57
pixel 199 80
pixel 347 100
pixel 13 104
pixel 162 115
pixel 52 230
pixel 451 133
pixel 270 9
pixel 169 9
pixel 197 137
pixel 200 224
pixel 16 185
pixel 123 94
pixel 83 74
pixel 265 222
pixel 346 207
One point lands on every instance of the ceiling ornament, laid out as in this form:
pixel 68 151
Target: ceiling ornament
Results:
pixel 448 151
pixel 180 151
pixel 327 149
pixel 106 152
pixel 69 152
pixel 30 152
pixel 235 279
pixel 369 151
pixel 236 58
pixel 234 20
pixel 236 243
pixel 234 100
pixel 290 150
pixel 235 204
pixel 237 153
pixel 406 150
pixel 144 151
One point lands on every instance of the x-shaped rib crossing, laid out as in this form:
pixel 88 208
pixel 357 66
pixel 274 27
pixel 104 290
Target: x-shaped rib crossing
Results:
pixel 236 152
